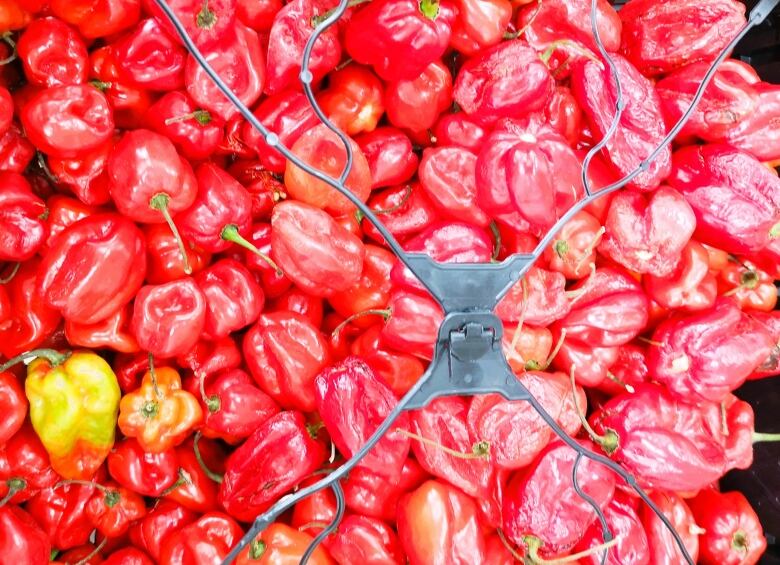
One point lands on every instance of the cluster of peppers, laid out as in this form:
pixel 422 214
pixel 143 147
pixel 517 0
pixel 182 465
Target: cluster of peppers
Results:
pixel 207 327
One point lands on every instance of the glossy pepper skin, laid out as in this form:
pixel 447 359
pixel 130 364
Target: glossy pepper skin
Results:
pixel 194 131
pixel 21 539
pixel 663 547
pixel 111 333
pixel 52 53
pixel 757 134
pixel 150 532
pixel 60 511
pixel 168 319
pixel 706 355
pixel 353 99
pixel 206 541
pixel 560 521
pixel 389 154
pixel 353 402
pixel 193 489
pixel 13 406
pixel 140 470
pixel 279 544
pixel 733 534
pixel 22 225
pixel 373 290
pixel 149 58
pixel 79 434
pixel 648 25
pixel 98 18
pixel 690 286
pixel 415 103
pixel 399 38
pixel 206 26
pixel 269 463
pixel 450 521
pixel 112 509
pixel 93 268
pixel 735 198
pixel 480 24
pixel 160 414
pixel 399 370
pixel 363 539
pixel 163 258
pixel 24 466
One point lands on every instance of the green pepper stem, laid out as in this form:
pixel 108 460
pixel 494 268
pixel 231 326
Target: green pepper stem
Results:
pixel 14 485
pixel 385 211
pixel 201 116
pixel 759 437
pixel 610 440
pixel 230 233
pixel 216 477
pixel 54 358
pixel 385 313
pixel 93 553
pixel 508 546
pixel 102 86
pixel 429 8
pixel 480 449
pixel 160 203
pixel 6 37
pixel 183 479
pixel 573 45
pixel 522 30
pixel 11 275
pixel 533 544
pixel 206 18
pixel 257 549
pixel 317 20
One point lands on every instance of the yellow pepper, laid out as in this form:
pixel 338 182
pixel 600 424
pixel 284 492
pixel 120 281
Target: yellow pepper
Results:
pixel 74 400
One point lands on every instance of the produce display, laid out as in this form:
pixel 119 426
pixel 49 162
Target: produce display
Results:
pixel 193 327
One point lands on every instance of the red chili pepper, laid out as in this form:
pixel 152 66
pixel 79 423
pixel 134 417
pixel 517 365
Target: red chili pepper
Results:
pixel 168 319
pixel 415 103
pixel 211 357
pixel 24 466
pixel 751 288
pixel 30 321
pixel 315 252
pixel 86 553
pixel 98 18
pixel 736 199
pixel 399 370
pixel 300 302
pixel 195 489
pixel 23 226
pixel 704 356
pixel 206 541
pixel 111 333
pixel 291 29
pixel 269 463
pixel 13 405
pixel 647 26
pixel 353 99
pixel 629 370
pixel 21 538
pixel 112 509
pixel 406 209
pixel 758 134
pixel 539 299
pixel 280 543
pixel 663 547
pixel 194 131
pixel 6 110
pixel 480 24
pixel 148 474
pixel 233 406
pixel 128 556
pixel 373 289
pixel 93 268
pixel 690 287
pixel 449 518
pixel 353 402
pixel 374 495
pixel 413 324
pixel 554 524
pixel 149 58
pixel 85 176
pixel 164 262
pixel 128 101
pixel 317 508
pixel 52 53
pixel 389 154
pixel 284 353
pixel 16 151
pixel 448 175
pixel 455 129
pixel 564 114
pixel 61 511
pixel 771 365
pixel 365 540
pixel 258 15
pixel 151 532
pixel 632 545
pixel 207 24
pixel 274 284
pixel 641 125
pixel 515 172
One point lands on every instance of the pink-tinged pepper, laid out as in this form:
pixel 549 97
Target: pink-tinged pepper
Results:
pixel 574 249
pixel 361 539
pixel 64 211
pixel 641 126
pixel 628 370
pixel 353 402
pixel 527 168
pixel 448 175
pixel 205 541
pixel 564 114
pixel 486 91
pixel 551 525
pixel 729 100
pixel 233 406
pixel 480 24
pixel 591 364
pixel 400 38
pixel 194 131
pixel 663 547
pixel 648 25
pixel 445 243
pixel 315 252
pixel 206 24
pixel 415 103
pixel 539 299
pixel 399 370
pixel 413 324
pixel 750 287
pixel 758 133
pixel 732 533
pixel 258 15
pixel 168 319
pixel 111 333
pixel 444 447
pixel 389 155
pixel 771 365
pixel 690 286
pixel 291 29
pixel 456 130
pixel 706 355
pixel 241 63
pixel 736 199
pixel 371 292
pixel 22 219
pixel 687 444
pixel 648 234
pixel 450 520
pixel 406 211
pixel 632 547
pixel 149 58
pixel 52 53
pixel 738 431
pixel 268 464
pixel 93 268
pixel 284 353
pixel 209 357
pixel 373 495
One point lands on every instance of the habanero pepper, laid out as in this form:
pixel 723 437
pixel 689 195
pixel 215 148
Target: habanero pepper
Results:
pixel 415 103
pixel 369 494
pixel 24 466
pixel 758 133
pixel 194 132
pixel 21 538
pixel 195 489
pixel 538 300
pixel 210 357
pixel 16 151
pixel 690 287
pixel 128 102
pixel 149 58
pixel 73 407
pixel 413 323
pixel 373 289
pixel 258 15
pixel 390 156
pixel 140 470
pixel 300 302
pixel 206 541
pixel 13 406
pixel 160 414
pixel 268 464
pixel 63 212
pixel 399 370
pixel 164 261
pixel 128 556
pixel 406 210
pixel 279 543
pixel 61 511
pixel 365 540
pixel 455 129
pixel 52 53
pixel 319 507
pixel 752 289
pixel 150 532
pixel 353 99
pixel 574 248
pixel 207 24
pixel 98 18
pixel 85 175
pixel 112 509
pixel 111 333
pixel 23 226
pixel 479 24
pixel 632 545
pixel 663 547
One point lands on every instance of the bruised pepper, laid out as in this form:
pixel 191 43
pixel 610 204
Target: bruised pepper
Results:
pixel 74 398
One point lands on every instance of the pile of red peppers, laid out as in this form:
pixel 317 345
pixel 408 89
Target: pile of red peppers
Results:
pixel 206 327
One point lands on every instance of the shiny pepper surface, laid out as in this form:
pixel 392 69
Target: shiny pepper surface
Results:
pixel 632 547
pixel 22 225
pixel 206 541
pixel 280 544
pixel 21 538
pixel 73 408
pixel 706 355
pixel 112 509
pixel 52 53
pixel 24 466
pixel 160 414
pixel 400 38
pixel 268 464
